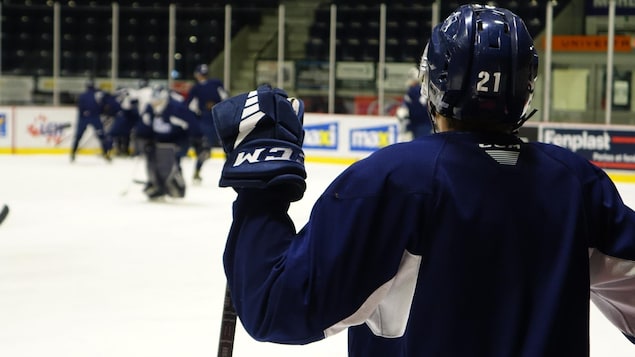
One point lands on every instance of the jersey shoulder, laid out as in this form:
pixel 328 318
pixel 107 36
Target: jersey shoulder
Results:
pixel 398 167
pixel 567 158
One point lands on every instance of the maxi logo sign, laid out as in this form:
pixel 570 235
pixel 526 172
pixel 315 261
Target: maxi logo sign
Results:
pixel 323 136
pixel 609 149
pixel 3 124
pixel 371 139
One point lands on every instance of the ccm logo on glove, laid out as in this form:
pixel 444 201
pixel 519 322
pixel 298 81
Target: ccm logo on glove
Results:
pixel 268 154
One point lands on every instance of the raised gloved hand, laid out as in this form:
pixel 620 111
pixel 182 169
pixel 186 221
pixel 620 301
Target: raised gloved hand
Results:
pixel 261 132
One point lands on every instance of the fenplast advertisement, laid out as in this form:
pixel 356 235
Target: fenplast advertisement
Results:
pixel 608 148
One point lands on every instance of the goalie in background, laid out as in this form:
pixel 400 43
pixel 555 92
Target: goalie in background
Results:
pixel 467 242
pixel 166 126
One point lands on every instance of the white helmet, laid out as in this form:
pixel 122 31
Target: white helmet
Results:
pixel 159 98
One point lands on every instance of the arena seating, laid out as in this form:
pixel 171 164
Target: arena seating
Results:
pixel 86 35
pixel 408 25
pixel 27 32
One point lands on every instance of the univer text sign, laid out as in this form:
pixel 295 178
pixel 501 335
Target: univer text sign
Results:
pixel 373 138
pixel 608 149
pixel 601 7
pixel 581 43
pixel 322 136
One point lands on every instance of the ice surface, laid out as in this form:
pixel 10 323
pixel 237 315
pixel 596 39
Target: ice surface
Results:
pixel 89 267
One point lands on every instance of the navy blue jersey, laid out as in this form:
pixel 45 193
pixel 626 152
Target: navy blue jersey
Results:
pixel 457 244
pixel 172 125
pixel 112 104
pixel 201 98
pixel 90 103
pixel 420 123
pixel 204 95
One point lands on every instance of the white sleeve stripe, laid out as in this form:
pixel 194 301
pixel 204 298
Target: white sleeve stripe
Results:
pixel 179 122
pixel 193 105
pixel 612 288
pixel 387 309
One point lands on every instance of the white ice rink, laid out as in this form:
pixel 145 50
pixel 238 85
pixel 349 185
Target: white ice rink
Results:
pixel 88 272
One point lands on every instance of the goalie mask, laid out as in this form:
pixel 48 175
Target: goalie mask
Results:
pixel 159 98
pixel 480 65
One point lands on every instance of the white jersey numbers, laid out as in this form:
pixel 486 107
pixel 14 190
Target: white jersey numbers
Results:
pixel 484 84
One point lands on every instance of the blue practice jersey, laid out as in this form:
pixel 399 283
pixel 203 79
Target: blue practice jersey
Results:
pixel 90 104
pixel 420 123
pixel 416 108
pixel 458 244
pixel 204 95
pixel 173 124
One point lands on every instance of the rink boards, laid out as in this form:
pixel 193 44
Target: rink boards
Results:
pixel 330 138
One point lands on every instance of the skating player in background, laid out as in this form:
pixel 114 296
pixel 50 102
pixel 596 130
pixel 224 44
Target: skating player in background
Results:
pixel 413 114
pixel 90 107
pixel 166 126
pixel 467 242
pixel 203 95
pixel 125 115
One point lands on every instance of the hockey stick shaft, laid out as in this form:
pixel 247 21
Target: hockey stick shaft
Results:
pixel 227 327
pixel 137 159
pixel 4 211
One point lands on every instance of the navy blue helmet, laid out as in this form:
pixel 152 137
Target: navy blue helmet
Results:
pixel 201 69
pixel 480 65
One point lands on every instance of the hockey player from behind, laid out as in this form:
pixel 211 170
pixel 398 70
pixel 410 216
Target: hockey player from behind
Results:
pixel 466 242
pixel 128 105
pixel 90 107
pixel 165 129
pixel 205 93
pixel 124 116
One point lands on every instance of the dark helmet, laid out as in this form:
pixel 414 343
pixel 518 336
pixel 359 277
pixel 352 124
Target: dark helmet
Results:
pixel 480 65
pixel 201 69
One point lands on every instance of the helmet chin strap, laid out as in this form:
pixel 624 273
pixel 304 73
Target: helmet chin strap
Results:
pixel 432 113
pixel 522 120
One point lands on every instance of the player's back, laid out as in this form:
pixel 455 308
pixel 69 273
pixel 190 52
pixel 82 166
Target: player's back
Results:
pixel 504 238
